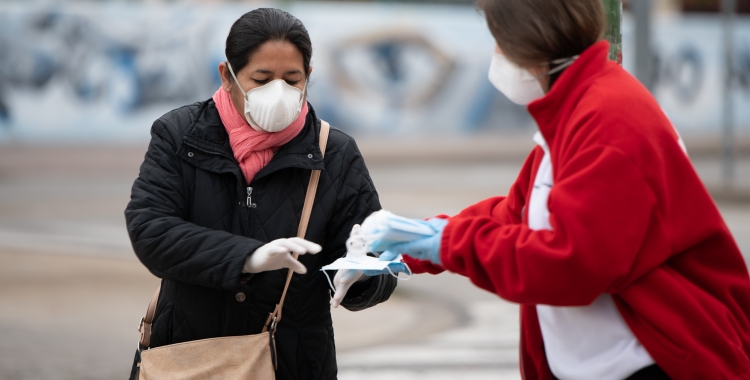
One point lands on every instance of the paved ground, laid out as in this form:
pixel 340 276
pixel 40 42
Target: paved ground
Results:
pixel 71 291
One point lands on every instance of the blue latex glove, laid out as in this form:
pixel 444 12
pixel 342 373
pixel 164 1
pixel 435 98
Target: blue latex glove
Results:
pixel 421 249
pixel 396 268
pixel 383 228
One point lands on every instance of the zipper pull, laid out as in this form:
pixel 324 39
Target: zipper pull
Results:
pixel 249 196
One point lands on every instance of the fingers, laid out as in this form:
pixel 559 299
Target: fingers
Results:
pixel 290 246
pixel 337 277
pixel 291 263
pixel 275 250
pixel 306 245
pixel 345 281
pixel 296 245
pixel 388 256
pixel 396 249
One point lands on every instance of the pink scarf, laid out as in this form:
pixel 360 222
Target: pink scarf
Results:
pixel 252 149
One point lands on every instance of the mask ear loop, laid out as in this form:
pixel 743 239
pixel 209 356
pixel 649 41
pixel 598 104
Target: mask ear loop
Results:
pixel 565 63
pixel 329 281
pixel 396 274
pixel 229 66
pixel 304 94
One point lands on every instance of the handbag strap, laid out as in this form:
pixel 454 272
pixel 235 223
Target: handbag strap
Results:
pixel 275 317
pixel 312 187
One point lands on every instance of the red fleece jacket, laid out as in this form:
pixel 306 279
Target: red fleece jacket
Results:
pixel 630 217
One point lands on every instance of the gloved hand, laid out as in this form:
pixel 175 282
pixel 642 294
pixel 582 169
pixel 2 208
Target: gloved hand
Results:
pixel 422 249
pixel 277 255
pixel 344 280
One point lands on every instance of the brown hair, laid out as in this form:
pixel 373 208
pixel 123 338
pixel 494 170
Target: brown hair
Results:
pixel 535 32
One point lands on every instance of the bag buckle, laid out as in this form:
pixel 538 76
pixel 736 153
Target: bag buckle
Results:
pixel 273 324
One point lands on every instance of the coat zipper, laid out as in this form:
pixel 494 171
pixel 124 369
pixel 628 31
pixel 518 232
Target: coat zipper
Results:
pixel 249 197
pixel 247 210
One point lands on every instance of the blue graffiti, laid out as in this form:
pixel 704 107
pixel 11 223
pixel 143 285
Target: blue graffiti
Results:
pixel 52 47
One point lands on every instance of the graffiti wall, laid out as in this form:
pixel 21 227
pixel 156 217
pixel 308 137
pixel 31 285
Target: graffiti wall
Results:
pixel 688 57
pixel 104 72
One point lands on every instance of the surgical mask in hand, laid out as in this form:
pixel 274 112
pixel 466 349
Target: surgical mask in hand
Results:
pixel 383 228
pixel 356 259
pixel 271 107
pixel 518 84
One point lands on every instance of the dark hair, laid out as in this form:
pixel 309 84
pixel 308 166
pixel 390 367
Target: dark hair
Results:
pixel 259 26
pixel 533 32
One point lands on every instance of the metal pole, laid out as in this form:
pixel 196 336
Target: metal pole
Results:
pixel 728 153
pixel 613 16
pixel 643 59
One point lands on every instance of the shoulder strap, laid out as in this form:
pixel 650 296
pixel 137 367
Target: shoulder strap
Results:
pixel 273 318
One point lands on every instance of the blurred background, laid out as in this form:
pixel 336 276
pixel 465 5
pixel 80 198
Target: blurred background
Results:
pixel 82 81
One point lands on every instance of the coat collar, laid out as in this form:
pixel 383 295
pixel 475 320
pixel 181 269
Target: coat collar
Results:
pixel 208 135
pixel 556 106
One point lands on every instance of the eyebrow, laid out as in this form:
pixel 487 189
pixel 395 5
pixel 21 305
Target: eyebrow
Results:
pixel 264 71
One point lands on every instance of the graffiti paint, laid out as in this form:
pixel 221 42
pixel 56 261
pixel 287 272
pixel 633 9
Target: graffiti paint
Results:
pixel 106 71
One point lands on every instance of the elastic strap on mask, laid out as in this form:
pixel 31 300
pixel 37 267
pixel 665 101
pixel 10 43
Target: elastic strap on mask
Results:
pixel 304 94
pixel 407 268
pixel 329 281
pixel 235 79
pixel 563 62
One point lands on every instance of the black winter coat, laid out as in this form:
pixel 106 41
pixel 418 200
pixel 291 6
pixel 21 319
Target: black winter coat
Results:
pixel 193 224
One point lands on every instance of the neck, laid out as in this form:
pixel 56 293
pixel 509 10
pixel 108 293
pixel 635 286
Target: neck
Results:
pixel 540 73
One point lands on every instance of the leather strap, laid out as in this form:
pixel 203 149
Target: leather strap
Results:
pixel 312 188
pixel 145 327
pixel 273 318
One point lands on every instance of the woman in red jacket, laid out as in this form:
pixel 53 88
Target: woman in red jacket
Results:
pixel 620 260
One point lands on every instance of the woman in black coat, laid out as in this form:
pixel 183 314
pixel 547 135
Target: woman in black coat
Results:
pixel 197 222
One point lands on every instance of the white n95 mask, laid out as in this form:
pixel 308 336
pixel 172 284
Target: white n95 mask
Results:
pixel 273 106
pixel 517 83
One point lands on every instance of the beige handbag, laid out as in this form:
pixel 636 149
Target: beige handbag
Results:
pixel 232 357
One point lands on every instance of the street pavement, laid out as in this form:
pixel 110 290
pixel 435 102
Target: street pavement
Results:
pixel 72 292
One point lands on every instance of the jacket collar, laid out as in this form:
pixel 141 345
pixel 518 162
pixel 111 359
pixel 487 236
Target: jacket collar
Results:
pixel 558 103
pixel 209 135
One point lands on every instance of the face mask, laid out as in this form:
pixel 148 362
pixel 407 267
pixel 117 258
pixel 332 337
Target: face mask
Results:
pixel 273 106
pixel 518 84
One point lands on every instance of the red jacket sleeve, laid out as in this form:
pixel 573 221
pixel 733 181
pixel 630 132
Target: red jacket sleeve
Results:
pixel 422 266
pixel 600 209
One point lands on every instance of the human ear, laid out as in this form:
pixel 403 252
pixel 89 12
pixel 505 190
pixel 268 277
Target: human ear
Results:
pixel 226 80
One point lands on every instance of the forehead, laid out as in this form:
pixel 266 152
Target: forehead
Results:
pixel 275 56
